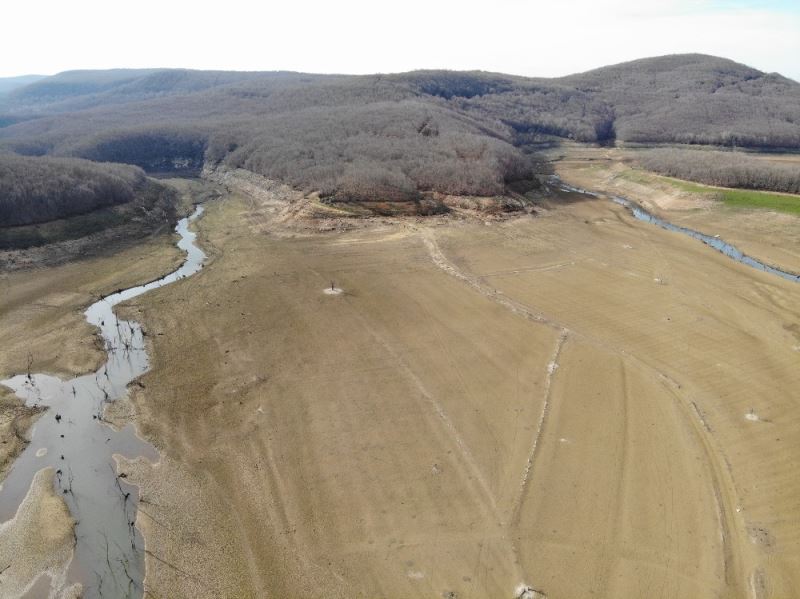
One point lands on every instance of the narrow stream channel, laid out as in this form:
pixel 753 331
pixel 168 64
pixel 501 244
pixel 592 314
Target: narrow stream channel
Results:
pixel 72 438
pixel 717 243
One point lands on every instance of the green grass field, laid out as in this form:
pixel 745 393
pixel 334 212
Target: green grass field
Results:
pixel 736 198
pixel 760 199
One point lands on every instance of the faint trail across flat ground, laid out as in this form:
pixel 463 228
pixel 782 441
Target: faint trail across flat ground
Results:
pixel 723 486
pixel 438 409
pixel 552 367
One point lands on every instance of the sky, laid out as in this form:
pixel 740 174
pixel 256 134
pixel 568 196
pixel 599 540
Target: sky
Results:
pixel 523 37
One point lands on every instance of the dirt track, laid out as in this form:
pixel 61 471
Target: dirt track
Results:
pixel 578 402
pixel 557 402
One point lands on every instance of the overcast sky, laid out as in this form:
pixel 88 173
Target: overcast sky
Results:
pixel 525 37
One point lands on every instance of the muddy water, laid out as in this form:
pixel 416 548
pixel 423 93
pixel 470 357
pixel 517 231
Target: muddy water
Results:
pixel 72 438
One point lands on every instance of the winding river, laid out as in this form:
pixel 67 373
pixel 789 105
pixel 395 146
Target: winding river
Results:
pixel 72 438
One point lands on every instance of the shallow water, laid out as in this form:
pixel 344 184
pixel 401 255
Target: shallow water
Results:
pixel 717 243
pixel 71 437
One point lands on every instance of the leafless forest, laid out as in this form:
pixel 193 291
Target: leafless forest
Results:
pixel 726 169
pixel 391 137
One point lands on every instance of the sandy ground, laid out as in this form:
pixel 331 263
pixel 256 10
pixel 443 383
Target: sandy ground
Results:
pixel 41 311
pixel 15 421
pixel 773 237
pixel 37 544
pixel 700 338
pixel 576 403
pixel 571 405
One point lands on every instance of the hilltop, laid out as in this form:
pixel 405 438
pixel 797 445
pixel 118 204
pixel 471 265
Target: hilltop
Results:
pixel 9 84
pixel 398 136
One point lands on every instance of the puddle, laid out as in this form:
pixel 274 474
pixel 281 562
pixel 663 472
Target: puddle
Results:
pixel 70 437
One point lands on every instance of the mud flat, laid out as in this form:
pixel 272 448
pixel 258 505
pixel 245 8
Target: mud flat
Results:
pixel 42 321
pixel 568 405
pixel 772 237
pixel 38 543
pixel 556 403
pixel 76 449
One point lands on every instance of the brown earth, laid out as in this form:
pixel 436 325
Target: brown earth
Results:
pixel 557 402
pixel 576 403
pixel 773 237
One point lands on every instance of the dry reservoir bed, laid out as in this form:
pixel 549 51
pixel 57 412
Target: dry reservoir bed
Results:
pixel 578 404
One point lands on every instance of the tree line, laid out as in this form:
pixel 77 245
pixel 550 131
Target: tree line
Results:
pixel 40 189
pixel 723 169
pixel 394 137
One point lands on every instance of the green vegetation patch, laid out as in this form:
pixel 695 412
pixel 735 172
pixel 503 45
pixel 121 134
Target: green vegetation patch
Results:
pixel 736 198
pixel 742 198
pixel 688 186
pixel 759 199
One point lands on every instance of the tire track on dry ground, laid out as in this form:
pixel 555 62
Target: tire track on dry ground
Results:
pixel 724 501
pixel 437 408
pixel 498 297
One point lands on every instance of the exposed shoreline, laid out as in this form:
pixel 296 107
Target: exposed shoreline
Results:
pixel 375 439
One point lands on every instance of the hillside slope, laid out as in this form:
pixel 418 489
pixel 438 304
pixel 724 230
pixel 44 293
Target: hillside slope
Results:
pixel 393 135
pixel 9 84
pixel 45 200
pixel 76 90
pixel 37 190
pixel 697 99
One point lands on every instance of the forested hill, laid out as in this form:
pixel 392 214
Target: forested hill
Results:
pixel 398 135
pixel 38 190
pixel 697 99
pixel 9 84
pixel 77 90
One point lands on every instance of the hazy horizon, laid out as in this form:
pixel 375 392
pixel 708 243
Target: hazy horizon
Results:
pixel 278 70
pixel 515 36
